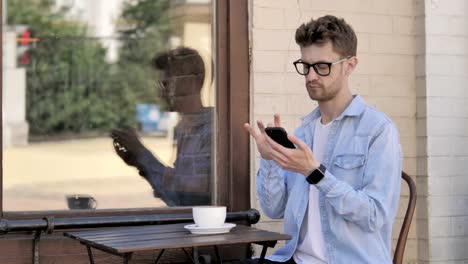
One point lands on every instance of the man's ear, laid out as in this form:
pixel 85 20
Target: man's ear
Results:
pixel 351 64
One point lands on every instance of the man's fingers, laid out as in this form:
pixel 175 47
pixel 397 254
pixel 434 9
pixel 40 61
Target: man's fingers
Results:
pixel 261 126
pixel 250 130
pixel 276 118
pixel 297 142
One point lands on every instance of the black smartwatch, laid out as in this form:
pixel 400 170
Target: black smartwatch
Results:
pixel 316 175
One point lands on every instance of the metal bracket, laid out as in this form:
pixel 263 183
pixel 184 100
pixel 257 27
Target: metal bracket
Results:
pixel 37 238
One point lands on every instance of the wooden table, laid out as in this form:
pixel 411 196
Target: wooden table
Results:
pixel 124 241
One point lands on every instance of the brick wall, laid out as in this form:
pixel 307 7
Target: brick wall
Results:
pixel 388 34
pixel 442 96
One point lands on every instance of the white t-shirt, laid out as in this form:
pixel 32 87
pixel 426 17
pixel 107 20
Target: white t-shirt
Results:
pixel 311 247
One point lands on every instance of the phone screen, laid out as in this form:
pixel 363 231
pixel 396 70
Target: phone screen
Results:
pixel 279 135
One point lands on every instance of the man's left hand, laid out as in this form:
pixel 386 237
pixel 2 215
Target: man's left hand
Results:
pixel 299 160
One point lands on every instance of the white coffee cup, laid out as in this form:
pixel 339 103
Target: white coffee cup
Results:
pixel 209 216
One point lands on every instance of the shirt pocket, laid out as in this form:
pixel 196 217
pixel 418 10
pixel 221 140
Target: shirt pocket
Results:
pixel 350 168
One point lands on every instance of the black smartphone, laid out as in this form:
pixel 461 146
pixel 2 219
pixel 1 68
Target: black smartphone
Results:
pixel 280 136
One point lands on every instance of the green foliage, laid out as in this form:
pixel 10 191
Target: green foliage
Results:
pixel 70 86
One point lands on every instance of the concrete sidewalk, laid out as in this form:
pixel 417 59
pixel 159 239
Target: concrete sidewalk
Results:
pixel 39 176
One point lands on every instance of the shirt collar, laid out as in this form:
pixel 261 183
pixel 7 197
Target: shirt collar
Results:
pixel 355 108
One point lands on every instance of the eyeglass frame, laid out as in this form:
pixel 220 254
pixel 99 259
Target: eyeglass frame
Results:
pixel 313 65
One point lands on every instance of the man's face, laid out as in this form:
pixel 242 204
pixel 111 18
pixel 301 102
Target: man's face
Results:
pixel 181 91
pixel 324 88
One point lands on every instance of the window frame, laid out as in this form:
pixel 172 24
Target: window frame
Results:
pixel 232 110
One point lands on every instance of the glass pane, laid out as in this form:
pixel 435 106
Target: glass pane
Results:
pixel 107 104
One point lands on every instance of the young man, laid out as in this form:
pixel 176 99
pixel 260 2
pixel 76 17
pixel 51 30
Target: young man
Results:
pixel 338 190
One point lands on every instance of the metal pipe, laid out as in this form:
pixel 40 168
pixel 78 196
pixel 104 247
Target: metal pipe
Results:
pixel 49 224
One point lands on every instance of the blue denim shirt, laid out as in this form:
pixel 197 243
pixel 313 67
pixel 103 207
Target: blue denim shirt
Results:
pixel 359 194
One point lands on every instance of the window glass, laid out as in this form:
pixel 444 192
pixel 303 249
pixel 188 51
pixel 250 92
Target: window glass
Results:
pixel 107 104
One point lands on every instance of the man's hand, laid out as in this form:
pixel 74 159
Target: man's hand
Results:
pixel 128 146
pixel 300 160
pixel 261 138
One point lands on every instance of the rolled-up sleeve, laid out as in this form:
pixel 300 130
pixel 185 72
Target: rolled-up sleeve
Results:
pixel 271 189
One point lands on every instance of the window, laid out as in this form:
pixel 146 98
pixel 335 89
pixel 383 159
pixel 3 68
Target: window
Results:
pixel 65 90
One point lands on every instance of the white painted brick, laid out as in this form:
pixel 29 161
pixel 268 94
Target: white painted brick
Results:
pixel 268 83
pixel 422 208
pixel 300 104
pixel 404 25
pixel 422 228
pixel 449 45
pixel 459 186
pixel 337 5
pixel 420 87
pixel 370 23
pixel 421 127
pixel 421 107
pixel 423 250
pixel 448 206
pixel 421 143
pixel 269 104
pixel 421 185
pixel 275 3
pixel 447 25
pixel 447 126
pixel 408 146
pixel 271 39
pixel 409 165
pixel 438 186
pixel 269 61
pixel 294 84
pixel 420 64
pixel 451 248
pixel 360 84
pixel 383 64
pixel 363 43
pixel 448 146
pixel 447 7
pixel 447 166
pixel 394 106
pixel 392 44
pixel 293 55
pixel 393 85
pixel 459 226
pixel 420 46
pixel 268 18
pixel 452 107
pixel 396 7
pixel 449 86
pixel 292 17
pixel 406 126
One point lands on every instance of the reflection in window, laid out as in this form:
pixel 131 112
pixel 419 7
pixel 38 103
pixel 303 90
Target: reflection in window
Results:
pixel 138 71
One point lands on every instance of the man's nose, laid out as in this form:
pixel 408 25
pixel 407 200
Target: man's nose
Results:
pixel 312 75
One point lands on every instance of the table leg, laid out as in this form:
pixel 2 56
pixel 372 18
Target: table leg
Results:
pixel 90 254
pixel 195 261
pixel 127 257
pixel 217 255
pixel 159 256
pixel 262 256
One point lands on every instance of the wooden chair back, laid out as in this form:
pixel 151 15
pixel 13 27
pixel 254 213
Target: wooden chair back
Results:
pixel 400 247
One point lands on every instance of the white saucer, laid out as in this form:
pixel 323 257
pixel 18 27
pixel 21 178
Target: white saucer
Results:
pixel 194 229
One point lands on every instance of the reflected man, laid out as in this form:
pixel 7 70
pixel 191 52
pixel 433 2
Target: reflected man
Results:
pixel 188 182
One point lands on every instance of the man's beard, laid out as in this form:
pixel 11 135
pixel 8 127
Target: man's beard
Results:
pixel 319 93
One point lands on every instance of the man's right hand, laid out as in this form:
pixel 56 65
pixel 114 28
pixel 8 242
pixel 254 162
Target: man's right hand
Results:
pixel 263 146
pixel 128 146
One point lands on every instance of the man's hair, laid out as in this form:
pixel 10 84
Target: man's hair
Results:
pixel 325 29
pixel 179 62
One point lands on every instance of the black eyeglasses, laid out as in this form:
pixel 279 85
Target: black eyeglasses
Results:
pixel 321 68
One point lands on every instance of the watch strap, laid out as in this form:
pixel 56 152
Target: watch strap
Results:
pixel 316 175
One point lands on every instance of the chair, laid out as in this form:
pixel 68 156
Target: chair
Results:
pixel 400 247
